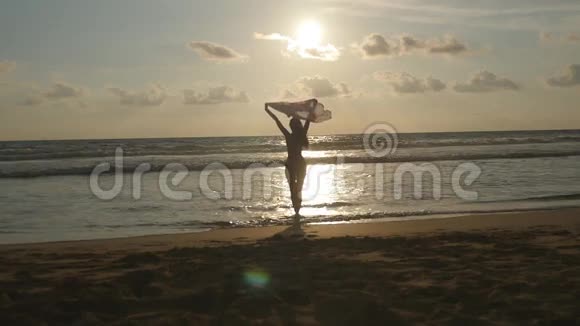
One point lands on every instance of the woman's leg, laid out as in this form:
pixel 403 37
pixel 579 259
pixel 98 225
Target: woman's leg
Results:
pixel 292 176
pixel 300 176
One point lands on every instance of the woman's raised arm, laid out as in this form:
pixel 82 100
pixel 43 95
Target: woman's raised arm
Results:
pixel 275 118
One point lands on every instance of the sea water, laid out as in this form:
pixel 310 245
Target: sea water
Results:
pixel 46 192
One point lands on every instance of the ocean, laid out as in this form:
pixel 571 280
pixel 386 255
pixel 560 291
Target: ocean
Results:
pixel 197 184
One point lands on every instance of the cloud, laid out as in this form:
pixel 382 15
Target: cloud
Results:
pixel 271 37
pixel 375 46
pixel 6 66
pixel 215 95
pixel 318 86
pixel 405 83
pixel 570 77
pixel 32 100
pixel 59 91
pixel 485 81
pixel 216 52
pixel 548 37
pixel 447 45
pixel 322 52
pixel 152 97
pixel 288 94
pixel 409 43
pixel 573 37
pixel 56 95
pixel 63 90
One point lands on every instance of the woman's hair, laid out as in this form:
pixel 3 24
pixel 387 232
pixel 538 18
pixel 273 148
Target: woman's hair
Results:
pixel 298 131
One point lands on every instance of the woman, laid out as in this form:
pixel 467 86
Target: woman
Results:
pixel 295 164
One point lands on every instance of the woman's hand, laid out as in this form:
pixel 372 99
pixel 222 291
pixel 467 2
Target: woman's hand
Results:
pixel 275 118
pixel 270 113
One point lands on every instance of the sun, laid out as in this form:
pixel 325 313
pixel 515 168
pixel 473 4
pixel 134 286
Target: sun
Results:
pixel 309 34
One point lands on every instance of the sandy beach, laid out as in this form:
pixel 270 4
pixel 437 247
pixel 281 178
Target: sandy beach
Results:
pixel 500 268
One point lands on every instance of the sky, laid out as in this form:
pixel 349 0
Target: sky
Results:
pixel 78 69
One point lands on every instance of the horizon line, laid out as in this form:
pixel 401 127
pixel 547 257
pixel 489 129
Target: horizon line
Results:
pixel 238 136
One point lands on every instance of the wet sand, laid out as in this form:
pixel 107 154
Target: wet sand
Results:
pixel 503 268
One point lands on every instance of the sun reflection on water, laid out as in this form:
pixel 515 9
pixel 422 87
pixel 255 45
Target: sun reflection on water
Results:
pixel 315 154
pixel 319 188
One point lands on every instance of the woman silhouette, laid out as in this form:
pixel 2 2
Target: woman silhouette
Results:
pixel 295 164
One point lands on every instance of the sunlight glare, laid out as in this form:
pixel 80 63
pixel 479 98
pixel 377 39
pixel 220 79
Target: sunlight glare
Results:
pixel 309 34
pixel 319 183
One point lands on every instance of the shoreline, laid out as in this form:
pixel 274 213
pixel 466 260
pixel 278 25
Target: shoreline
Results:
pixel 323 230
pixel 305 224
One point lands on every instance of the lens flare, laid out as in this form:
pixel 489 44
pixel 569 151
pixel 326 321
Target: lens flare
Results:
pixel 256 278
